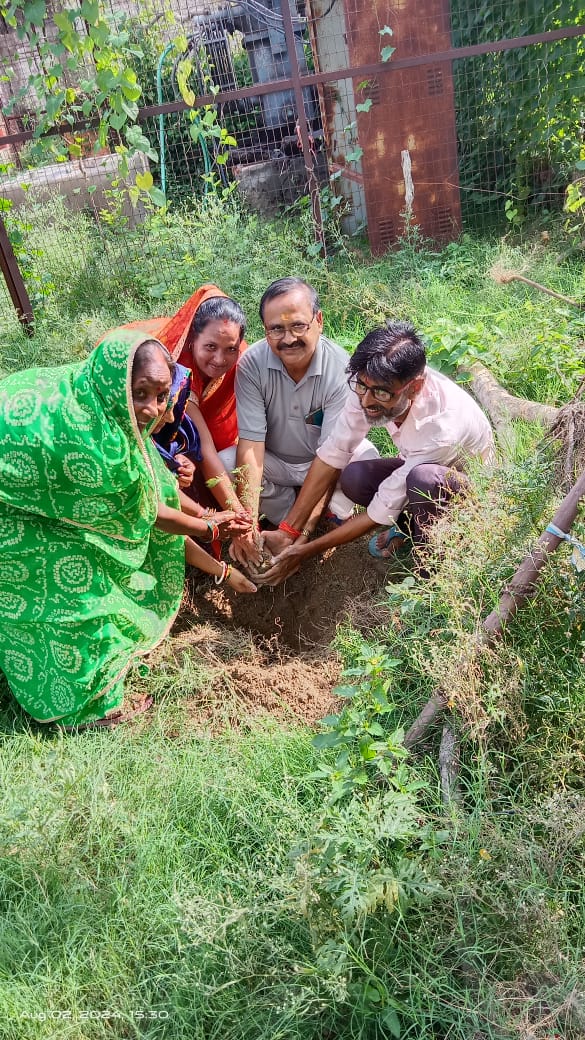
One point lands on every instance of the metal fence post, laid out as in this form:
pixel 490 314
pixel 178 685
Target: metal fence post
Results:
pixel 15 282
pixel 295 75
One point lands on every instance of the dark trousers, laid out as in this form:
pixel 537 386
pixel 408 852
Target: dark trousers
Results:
pixel 428 488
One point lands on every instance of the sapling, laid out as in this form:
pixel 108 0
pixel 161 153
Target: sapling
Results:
pixel 266 560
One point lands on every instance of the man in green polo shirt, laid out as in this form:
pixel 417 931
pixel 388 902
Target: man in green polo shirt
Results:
pixel 290 389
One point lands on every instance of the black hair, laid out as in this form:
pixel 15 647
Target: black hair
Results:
pixel 151 350
pixel 393 352
pixel 218 308
pixel 285 285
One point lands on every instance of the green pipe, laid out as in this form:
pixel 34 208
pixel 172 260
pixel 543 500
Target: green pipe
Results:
pixel 161 131
pixel 161 120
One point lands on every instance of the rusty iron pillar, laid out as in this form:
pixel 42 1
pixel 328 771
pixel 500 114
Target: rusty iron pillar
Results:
pixel 15 282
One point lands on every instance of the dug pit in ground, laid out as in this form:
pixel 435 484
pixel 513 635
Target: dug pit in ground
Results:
pixel 286 666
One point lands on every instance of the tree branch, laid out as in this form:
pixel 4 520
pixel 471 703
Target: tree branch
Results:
pixel 502 406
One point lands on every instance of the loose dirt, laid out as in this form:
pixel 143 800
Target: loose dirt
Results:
pixel 270 653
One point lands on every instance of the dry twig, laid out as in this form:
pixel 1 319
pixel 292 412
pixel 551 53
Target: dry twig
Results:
pixel 504 277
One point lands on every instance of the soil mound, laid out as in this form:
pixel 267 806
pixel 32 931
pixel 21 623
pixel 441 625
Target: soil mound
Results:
pixel 271 651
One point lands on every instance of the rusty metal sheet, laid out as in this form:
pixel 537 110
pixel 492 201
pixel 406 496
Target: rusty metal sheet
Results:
pixel 412 112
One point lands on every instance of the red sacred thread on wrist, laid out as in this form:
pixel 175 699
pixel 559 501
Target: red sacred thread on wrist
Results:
pixel 283 526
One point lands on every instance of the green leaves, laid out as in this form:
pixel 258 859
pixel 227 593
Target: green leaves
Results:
pixel 35 12
pixel 129 85
pixel 144 181
pixel 184 70
pixel 101 55
pixel 144 190
pixel 390 1019
pixel 138 142
pixel 90 11
pixel 361 859
pixel 344 691
pixel 117 120
pixel 95 51
pixel 54 103
pixel 386 52
pixel 368 748
pixel 157 196
pixel 327 740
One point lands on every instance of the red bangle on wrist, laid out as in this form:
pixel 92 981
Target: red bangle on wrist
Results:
pixel 283 526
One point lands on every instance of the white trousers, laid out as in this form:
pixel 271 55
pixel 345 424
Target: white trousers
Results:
pixel 280 479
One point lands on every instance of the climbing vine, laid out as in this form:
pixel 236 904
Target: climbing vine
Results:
pixel 83 68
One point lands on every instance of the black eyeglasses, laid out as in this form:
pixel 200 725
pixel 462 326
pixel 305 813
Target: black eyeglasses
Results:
pixel 379 393
pixel 298 329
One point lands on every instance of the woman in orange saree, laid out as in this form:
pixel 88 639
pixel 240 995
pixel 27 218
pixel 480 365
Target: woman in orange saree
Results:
pixel 206 335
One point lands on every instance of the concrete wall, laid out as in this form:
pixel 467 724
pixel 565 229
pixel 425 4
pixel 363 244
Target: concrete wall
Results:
pixel 75 182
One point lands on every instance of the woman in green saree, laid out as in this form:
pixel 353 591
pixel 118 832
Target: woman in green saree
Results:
pixel 92 546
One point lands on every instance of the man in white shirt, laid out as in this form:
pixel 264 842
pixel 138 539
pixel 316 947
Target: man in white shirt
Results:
pixel 436 426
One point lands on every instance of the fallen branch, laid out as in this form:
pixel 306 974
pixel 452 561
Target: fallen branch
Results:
pixel 502 406
pixel 503 277
pixel 565 426
pixel 523 584
pixel 449 767
pixel 432 710
pixel 519 590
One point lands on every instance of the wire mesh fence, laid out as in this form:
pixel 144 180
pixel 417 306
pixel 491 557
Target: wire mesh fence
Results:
pixel 388 119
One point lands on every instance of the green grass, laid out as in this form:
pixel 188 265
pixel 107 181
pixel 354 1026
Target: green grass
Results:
pixel 129 863
pixel 154 873
pixel 152 879
pixel 83 282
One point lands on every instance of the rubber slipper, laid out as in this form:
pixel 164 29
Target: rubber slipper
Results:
pixel 379 551
pixel 116 718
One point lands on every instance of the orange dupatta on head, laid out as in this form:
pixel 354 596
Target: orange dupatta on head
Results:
pixel 216 399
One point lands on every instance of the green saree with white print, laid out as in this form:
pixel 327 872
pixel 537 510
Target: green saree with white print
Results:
pixel 87 582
